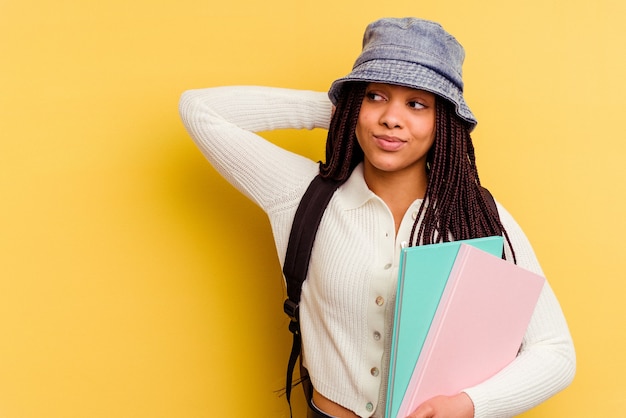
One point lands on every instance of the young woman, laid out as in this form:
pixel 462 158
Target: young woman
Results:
pixel 400 139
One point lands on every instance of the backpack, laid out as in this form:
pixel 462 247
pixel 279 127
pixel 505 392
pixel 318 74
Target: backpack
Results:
pixel 304 228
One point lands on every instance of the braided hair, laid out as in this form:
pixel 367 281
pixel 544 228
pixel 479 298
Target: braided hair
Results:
pixel 455 206
pixel 343 152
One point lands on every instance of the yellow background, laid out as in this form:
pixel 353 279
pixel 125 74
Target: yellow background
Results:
pixel 122 290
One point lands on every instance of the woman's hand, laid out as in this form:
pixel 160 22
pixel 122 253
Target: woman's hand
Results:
pixel 457 406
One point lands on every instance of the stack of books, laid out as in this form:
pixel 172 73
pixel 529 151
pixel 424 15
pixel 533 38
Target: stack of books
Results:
pixel 461 314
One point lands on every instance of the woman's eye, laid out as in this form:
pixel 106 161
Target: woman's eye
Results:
pixel 416 105
pixel 374 96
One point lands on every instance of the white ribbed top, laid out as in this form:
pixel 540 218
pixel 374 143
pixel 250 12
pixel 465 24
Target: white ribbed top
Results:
pixel 348 298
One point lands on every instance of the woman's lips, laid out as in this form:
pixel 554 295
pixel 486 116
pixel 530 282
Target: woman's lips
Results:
pixel 389 143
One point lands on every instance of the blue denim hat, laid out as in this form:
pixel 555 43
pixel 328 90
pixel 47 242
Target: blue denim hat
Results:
pixel 413 53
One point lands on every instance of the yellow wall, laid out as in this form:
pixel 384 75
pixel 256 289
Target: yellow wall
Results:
pixel 122 290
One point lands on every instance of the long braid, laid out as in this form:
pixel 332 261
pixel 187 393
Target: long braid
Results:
pixel 455 206
pixel 343 152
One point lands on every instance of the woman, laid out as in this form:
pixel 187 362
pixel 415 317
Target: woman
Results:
pixel 400 139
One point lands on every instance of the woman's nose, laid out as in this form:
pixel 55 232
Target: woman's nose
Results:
pixel 391 117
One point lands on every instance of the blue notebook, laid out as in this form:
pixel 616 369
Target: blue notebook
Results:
pixel 422 278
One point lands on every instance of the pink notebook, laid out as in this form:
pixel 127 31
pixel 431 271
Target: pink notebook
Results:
pixel 478 327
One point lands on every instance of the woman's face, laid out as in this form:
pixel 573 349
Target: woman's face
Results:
pixel 396 128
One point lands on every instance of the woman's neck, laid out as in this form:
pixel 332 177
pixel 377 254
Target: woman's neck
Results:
pixel 398 189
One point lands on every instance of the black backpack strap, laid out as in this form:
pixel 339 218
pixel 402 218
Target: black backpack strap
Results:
pixel 296 265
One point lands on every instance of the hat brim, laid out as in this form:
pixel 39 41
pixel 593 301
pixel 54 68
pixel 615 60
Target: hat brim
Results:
pixel 406 74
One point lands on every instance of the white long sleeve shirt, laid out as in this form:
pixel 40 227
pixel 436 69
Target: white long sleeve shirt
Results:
pixel 347 302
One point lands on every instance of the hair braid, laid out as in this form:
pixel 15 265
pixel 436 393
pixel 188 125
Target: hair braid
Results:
pixel 343 152
pixel 455 206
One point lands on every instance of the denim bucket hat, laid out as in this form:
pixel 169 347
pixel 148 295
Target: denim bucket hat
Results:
pixel 413 53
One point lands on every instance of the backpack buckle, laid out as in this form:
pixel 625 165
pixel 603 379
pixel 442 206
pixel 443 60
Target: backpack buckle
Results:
pixel 292 310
